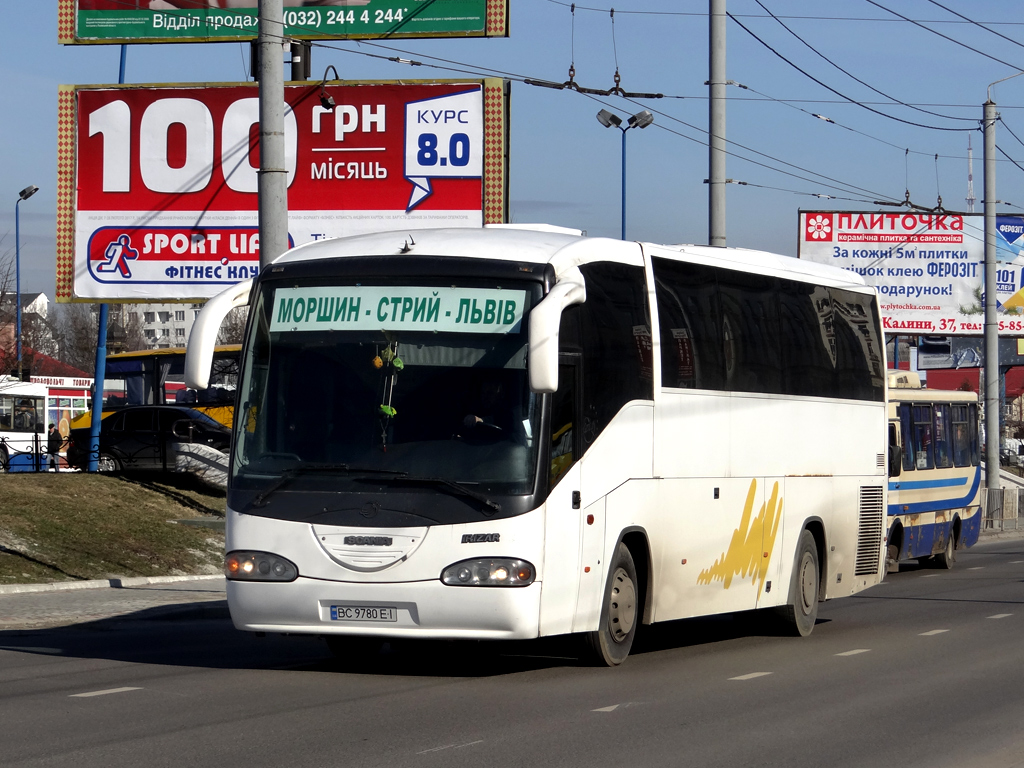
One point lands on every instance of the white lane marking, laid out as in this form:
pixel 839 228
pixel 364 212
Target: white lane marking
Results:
pixel 933 632
pixel 435 749
pixel 751 676
pixel 612 708
pixel 102 693
pixel 976 568
pixel 450 746
pixel 1000 616
pixel 1015 562
pixel 854 652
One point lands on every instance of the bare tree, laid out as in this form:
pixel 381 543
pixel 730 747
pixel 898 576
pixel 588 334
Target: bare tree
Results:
pixel 232 330
pixel 75 329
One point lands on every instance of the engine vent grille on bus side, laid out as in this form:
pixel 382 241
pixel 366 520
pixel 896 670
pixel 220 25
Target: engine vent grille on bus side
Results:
pixel 879 459
pixel 869 532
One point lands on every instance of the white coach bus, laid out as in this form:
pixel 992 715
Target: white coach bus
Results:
pixel 513 432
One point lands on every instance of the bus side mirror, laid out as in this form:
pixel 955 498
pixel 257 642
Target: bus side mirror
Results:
pixel 203 339
pixel 542 357
pixel 895 460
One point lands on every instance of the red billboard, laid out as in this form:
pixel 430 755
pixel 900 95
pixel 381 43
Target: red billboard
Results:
pixel 158 184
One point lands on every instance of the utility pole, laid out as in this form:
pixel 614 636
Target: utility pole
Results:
pixel 716 125
pixel 993 417
pixel 273 175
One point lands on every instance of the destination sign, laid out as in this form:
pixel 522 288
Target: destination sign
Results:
pixel 398 308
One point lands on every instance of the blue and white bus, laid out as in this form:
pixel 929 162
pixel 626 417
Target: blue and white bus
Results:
pixel 513 432
pixel 935 473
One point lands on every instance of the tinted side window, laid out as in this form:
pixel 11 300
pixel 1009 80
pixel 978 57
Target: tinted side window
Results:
pixel 138 421
pixel 973 425
pixel 907 432
pixel 691 339
pixel 943 430
pixel 167 419
pixel 859 371
pixel 808 344
pixel 750 332
pixel 616 338
pixel 961 436
pixel 924 456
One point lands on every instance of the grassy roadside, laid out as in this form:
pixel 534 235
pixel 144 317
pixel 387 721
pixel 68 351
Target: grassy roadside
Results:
pixel 73 526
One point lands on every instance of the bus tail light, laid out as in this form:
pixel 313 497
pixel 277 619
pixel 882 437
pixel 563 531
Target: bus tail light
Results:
pixel 241 565
pixel 489 572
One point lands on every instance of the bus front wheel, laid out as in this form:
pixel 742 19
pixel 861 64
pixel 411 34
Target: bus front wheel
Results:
pixel 610 644
pixel 801 613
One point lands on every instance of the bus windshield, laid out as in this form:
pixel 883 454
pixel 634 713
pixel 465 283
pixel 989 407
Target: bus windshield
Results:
pixel 395 384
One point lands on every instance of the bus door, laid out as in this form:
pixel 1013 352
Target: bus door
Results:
pixel 562 567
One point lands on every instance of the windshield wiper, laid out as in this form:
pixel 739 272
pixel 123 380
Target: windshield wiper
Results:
pixel 289 474
pixel 459 488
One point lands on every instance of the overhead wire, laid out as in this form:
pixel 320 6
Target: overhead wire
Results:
pixel 977 23
pixel 703 14
pixel 788 103
pixel 475 70
pixel 833 90
pixel 851 75
pixel 945 37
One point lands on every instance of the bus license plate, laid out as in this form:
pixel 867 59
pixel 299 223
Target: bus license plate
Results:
pixel 363 613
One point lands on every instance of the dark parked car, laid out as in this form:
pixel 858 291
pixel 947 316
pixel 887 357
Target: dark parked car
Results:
pixel 141 438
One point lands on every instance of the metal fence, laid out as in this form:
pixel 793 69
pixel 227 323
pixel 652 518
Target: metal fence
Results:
pixel 34 460
pixel 1002 507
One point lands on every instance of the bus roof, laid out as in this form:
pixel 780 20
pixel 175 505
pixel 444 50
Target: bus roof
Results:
pixel 561 247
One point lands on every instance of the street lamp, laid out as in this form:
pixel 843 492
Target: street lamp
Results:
pixel 25 194
pixel 639 120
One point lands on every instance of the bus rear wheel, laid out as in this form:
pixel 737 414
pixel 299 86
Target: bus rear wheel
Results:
pixel 946 557
pixel 801 613
pixel 611 643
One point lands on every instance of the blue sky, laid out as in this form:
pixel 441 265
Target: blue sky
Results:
pixel 565 165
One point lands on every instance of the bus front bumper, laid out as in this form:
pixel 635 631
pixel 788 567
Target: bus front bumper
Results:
pixel 427 609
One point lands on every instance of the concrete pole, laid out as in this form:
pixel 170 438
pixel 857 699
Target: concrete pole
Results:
pixel 273 175
pixel 992 415
pixel 716 125
pixel 623 237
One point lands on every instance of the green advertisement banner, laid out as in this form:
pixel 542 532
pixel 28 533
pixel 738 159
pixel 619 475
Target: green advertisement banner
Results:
pixel 180 21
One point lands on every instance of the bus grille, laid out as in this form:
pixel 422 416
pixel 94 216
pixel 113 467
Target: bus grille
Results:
pixel 869 534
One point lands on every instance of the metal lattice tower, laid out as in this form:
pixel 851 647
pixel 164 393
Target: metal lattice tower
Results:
pixel 970 176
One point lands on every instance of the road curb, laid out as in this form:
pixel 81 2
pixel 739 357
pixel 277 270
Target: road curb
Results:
pixel 134 581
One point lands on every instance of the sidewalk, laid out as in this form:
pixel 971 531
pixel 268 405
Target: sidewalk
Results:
pixel 38 606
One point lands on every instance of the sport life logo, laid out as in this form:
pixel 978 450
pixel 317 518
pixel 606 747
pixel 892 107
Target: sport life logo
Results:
pixel 820 228
pixel 117 255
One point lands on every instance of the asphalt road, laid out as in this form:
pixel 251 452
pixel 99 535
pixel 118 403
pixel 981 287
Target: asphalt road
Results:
pixel 926 669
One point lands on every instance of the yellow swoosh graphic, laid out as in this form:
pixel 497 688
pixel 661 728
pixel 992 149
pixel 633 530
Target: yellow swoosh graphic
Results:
pixel 750 539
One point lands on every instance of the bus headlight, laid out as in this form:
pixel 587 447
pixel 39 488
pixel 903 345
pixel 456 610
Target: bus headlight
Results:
pixel 258 566
pixel 489 572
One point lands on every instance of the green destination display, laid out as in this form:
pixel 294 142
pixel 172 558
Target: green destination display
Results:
pixel 197 20
pixel 398 308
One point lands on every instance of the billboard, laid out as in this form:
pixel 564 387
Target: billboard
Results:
pixel 157 185
pixel 185 21
pixel 929 268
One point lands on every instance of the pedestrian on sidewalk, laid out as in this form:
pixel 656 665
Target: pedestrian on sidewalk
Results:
pixel 54 442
